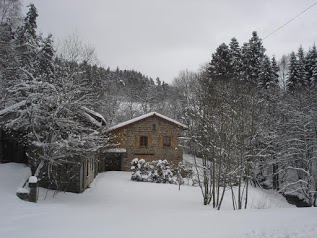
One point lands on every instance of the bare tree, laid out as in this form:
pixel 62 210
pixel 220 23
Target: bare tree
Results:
pixel 10 10
pixel 73 49
pixel 283 66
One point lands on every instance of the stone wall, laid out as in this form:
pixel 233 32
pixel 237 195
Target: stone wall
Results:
pixel 154 128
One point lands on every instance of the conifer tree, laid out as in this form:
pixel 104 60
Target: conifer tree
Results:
pixel 252 57
pixel 294 81
pixel 275 70
pixel 266 74
pixel 7 52
pixel 236 58
pixel 220 65
pixel 301 66
pixel 27 42
pixel 314 75
pixel 46 61
pixel 311 66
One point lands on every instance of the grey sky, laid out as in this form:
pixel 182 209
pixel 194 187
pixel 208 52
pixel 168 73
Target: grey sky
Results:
pixel 162 37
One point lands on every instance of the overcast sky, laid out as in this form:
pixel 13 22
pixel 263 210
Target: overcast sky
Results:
pixel 161 37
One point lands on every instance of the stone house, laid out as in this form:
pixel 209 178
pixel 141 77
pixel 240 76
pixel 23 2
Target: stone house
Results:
pixel 150 137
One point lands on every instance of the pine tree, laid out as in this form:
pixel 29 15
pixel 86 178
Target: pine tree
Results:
pixel 266 79
pixel 275 70
pixel 7 52
pixel 311 66
pixel 314 75
pixel 301 66
pixel 220 67
pixel 27 42
pixel 46 61
pixel 294 81
pixel 9 67
pixel 30 21
pixel 236 58
pixel 252 57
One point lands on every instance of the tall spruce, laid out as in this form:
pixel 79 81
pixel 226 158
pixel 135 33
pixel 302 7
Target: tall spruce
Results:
pixel 311 66
pixel 220 67
pixel 7 52
pixel 236 58
pixel 294 81
pixel 46 59
pixel 252 57
pixel 275 71
pixel 266 79
pixel 301 66
pixel 27 42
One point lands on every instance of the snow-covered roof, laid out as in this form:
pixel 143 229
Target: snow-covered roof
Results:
pixel 116 150
pixel 93 117
pixel 93 113
pixel 144 117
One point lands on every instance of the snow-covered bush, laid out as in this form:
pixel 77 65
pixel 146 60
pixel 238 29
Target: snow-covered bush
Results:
pixel 138 170
pixel 156 171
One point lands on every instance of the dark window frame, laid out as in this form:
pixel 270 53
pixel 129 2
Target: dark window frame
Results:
pixel 167 141
pixel 144 141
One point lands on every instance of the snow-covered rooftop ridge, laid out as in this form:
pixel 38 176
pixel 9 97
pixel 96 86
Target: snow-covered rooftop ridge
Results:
pixel 93 113
pixel 116 150
pixel 146 116
pixel 92 120
pixel 93 117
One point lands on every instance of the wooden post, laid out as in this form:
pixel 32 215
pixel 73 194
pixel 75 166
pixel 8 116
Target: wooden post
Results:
pixel 33 189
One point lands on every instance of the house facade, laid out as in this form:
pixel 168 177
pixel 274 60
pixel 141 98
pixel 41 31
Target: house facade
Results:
pixel 150 137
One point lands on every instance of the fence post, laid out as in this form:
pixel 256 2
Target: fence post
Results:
pixel 33 189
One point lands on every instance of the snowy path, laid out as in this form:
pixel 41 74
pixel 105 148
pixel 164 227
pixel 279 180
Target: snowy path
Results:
pixel 117 207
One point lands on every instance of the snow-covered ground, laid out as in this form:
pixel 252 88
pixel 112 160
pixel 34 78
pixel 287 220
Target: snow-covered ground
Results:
pixel 115 206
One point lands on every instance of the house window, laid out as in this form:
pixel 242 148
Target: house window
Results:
pixel 166 141
pixel 143 140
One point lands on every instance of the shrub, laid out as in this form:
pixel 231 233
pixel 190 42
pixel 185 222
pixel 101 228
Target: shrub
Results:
pixel 156 171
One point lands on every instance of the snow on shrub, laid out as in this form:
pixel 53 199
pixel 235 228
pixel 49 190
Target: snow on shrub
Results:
pixel 156 171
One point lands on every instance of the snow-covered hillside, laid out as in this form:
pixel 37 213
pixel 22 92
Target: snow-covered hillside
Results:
pixel 115 206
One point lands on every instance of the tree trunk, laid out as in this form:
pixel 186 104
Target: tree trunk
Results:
pixel 275 177
pixel 39 167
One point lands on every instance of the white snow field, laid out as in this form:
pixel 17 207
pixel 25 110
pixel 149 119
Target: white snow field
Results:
pixel 117 207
